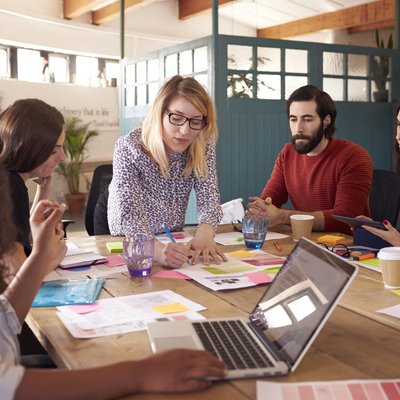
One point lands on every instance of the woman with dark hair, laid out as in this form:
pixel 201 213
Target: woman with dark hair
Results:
pixel 391 235
pixel 31 146
pixel 172 371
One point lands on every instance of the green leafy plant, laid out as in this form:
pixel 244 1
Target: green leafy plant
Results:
pixel 380 64
pixel 77 135
pixel 241 83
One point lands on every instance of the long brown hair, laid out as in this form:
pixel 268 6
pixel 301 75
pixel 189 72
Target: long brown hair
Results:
pixel 29 130
pixel 7 228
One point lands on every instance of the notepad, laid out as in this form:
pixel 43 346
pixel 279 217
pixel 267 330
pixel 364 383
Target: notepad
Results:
pixel 79 258
pixel 59 293
pixel 331 239
pixel 114 247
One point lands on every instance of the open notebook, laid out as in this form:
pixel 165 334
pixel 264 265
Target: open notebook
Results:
pixel 282 326
pixel 77 257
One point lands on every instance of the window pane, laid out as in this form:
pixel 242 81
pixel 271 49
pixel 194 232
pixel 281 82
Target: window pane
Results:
pixel 130 74
pixel 240 85
pixel 296 61
pixel 58 68
pixel 203 79
pixel 268 59
pixel 200 59
pixel 141 95
pixel 294 82
pixel 112 71
pixel 334 87
pixel 357 65
pixel 185 62
pixel 269 87
pixel 357 90
pixel 87 71
pixel 141 69
pixel 240 57
pixel 153 88
pixel 30 65
pixel 4 63
pixel 152 70
pixel 171 65
pixel 333 63
pixel 130 96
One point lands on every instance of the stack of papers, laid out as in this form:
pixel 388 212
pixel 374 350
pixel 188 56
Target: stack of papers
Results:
pixel 127 314
pixel 243 269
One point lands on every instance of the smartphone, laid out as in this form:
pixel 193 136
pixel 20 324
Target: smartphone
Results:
pixel 359 221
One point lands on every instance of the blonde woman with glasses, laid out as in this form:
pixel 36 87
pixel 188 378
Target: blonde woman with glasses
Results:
pixel 156 167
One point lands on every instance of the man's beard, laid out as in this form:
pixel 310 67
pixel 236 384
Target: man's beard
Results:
pixel 313 141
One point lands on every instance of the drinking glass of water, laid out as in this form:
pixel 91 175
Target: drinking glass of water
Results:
pixel 138 252
pixel 254 228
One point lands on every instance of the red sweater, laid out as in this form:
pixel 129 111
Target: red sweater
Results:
pixel 337 181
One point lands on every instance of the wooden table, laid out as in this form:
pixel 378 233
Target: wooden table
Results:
pixel 356 342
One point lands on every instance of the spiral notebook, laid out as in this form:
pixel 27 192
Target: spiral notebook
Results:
pixel 77 257
pixel 74 291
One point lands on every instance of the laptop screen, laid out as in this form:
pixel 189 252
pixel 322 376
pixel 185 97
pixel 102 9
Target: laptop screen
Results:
pixel 300 297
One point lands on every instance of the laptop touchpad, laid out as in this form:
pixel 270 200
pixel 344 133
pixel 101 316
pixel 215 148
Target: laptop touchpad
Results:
pixel 182 342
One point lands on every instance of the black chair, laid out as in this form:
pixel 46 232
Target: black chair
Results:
pixel 102 176
pixel 384 200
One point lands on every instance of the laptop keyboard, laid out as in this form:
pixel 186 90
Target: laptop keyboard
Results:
pixel 232 342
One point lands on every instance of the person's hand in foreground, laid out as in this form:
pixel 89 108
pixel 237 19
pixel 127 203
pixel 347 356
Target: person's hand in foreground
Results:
pixel 392 235
pixel 203 244
pixel 179 371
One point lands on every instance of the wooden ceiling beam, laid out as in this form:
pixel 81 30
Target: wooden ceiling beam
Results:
pixel 369 13
pixel 190 8
pixel 111 11
pixel 372 26
pixel 75 8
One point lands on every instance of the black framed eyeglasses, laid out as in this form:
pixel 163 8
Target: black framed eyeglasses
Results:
pixel 236 226
pixel 339 249
pixel 196 124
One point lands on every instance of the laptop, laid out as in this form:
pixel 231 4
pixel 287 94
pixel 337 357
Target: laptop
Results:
pixel 278 332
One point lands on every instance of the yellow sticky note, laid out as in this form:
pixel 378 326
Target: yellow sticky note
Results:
pixel 114 247
pixel 241 254
pixel 170 308
pixel 333 239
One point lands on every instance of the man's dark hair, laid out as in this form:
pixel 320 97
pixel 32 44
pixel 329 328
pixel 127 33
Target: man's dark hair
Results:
pixel 325 105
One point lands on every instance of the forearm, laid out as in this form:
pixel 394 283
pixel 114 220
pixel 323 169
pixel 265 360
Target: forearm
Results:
pixel 319 219
pixel 23 288
pixel 98 383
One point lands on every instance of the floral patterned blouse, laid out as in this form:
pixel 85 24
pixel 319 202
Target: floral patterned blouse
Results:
pixel 141 199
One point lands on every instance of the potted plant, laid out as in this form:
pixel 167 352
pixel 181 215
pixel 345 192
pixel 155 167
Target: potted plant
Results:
pixel 77 135
pixel 380 69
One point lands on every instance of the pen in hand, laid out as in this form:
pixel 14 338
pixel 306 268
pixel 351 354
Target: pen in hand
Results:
pixel 169 234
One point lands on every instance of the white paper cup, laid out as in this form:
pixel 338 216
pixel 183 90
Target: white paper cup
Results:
pixel 389 259
pixel 301 225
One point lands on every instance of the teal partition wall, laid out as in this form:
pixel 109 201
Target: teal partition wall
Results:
pixel 250 79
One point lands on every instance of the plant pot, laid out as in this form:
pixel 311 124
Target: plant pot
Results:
pixel 381 95
pixel 75 202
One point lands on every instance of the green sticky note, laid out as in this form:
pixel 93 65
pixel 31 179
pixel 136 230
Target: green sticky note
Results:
pixel 114 247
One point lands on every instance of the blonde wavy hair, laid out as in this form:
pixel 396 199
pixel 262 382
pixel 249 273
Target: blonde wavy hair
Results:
pixel 152 128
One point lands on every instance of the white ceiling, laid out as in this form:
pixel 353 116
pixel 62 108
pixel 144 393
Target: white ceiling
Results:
pixel 265 13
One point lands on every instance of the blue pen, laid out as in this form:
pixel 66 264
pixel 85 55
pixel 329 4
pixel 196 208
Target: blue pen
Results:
pixel 168 232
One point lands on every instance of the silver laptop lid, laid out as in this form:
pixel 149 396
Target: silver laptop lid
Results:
pixel 300 299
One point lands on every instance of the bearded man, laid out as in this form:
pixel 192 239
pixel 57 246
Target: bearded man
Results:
pixel 321 175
